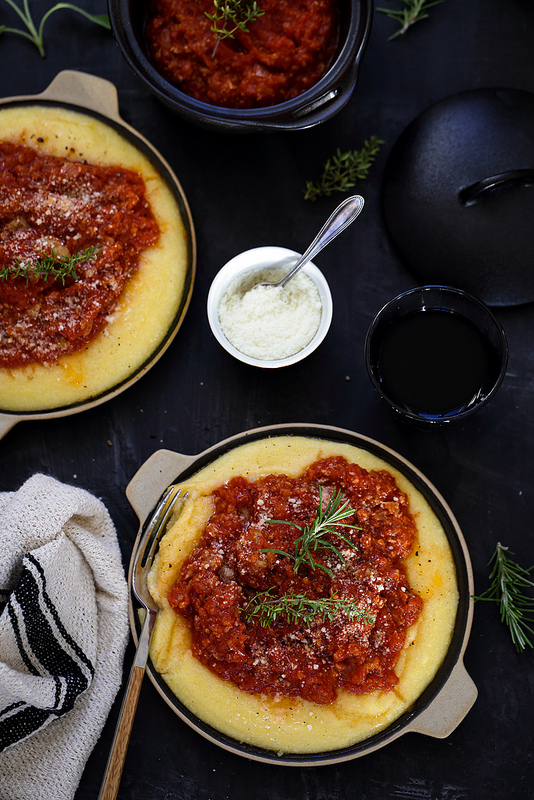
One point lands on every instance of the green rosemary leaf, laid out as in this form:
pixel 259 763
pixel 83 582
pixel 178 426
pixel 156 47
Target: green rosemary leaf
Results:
pixel 415 11
pixel 266 608
pixel 49 266
pixel 231 16
pixel 343 170
pixel 313 536
pixel 508 585
pixel 34 34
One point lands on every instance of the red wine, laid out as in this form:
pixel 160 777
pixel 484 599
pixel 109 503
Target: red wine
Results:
pixel 435 363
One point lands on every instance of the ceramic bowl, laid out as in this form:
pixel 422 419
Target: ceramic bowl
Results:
pixel 446 700
pixel 96 97
pixel 256 260
pixel 319 103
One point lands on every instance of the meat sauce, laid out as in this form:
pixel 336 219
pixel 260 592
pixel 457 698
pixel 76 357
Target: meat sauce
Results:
pixel 57 206
pixel 235 560
pixel 281 54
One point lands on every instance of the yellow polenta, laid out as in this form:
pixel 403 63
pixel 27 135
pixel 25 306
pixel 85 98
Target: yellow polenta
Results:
pixel 152 297
pixel 279 723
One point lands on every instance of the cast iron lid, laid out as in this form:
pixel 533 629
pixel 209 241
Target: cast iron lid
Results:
pixel 458 194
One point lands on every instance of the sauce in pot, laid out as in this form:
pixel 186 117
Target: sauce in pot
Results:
pixel 282 53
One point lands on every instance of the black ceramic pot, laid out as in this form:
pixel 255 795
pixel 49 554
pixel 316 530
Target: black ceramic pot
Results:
pixel 313 106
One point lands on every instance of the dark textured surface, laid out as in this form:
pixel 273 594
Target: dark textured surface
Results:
pixel 246 192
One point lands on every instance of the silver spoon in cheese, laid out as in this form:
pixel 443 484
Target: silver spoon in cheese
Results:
pixel 341 218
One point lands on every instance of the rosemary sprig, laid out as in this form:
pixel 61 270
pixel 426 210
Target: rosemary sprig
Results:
pixel 341 172
pixel 49 265
pixel 313 535
pixel 415 11
pixel 266 608
pixel 231 16
pixel 34 33
pixel 508 584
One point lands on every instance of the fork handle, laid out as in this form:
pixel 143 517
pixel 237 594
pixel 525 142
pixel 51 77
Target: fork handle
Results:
pixel 112 777
pixel 117 755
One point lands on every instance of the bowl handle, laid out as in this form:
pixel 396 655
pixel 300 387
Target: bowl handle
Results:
pixel 152 478
pixel 449 707
pixel 82 89
pixel 6 423
pixel 319 110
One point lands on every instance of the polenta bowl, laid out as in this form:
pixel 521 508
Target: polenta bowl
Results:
pixel 74 128
pixel 258 708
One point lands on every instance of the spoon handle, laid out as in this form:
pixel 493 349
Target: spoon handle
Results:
pixel 341 218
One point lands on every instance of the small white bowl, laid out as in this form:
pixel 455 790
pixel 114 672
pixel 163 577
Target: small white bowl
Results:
pixel 255 260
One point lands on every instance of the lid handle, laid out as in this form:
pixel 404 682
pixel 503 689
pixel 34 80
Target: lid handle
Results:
pixel 514 177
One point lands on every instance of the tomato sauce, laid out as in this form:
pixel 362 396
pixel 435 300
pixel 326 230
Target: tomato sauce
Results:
pixel 235 560
pixel 54 205
pixel 283 52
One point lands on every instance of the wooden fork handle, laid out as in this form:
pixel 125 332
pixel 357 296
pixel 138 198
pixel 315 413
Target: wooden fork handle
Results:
pixel 112 778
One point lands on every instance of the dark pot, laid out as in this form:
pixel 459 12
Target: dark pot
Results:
pixel 313 106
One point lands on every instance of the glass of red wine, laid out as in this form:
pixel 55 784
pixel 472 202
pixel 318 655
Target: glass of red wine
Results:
pixel 436 354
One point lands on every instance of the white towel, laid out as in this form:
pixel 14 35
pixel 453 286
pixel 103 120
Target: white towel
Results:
pixel 63 633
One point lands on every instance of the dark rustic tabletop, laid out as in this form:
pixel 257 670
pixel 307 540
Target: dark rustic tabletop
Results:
pixel 246 191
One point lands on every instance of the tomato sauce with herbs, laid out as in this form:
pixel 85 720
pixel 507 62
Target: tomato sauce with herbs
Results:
pixel 234 561
pixel 283 52
pixel 51 205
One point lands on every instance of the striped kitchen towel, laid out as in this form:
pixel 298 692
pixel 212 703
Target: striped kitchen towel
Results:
pixel 63 633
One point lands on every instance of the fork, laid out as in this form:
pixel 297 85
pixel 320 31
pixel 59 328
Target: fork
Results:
pixel 144 558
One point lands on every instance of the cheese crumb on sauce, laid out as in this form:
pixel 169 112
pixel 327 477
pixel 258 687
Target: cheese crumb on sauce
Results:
pixel 270 322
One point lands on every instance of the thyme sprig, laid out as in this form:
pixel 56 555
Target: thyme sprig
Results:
pixel 509 581
pixel 342 170
pixel 231 16
pixel 34 33
pixel 313 535
pixel 266 608
pixel 415 11
pixel 49 265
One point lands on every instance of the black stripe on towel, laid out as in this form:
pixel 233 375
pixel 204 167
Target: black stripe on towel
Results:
pixel 47 650
pixel 21 723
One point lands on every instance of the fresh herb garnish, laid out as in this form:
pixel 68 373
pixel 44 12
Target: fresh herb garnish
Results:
pixel 508 584
pixel 313 536
pixel 341 172
pixel 266 608
pixel 415 11
pixel 46 266
pixel 34 33
pixel 231 16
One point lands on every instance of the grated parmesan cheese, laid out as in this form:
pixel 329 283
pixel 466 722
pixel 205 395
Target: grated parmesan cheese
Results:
pixel 270 322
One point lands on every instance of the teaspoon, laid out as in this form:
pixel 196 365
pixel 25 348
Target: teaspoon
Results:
pixel 341 218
